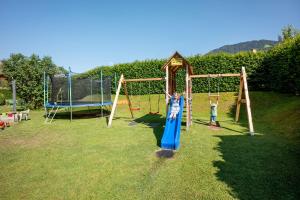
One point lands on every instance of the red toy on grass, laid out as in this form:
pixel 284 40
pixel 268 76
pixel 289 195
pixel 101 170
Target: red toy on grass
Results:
pixel 2 125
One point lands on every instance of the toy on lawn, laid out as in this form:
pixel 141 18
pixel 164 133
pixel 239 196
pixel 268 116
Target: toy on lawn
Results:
pixel 2 125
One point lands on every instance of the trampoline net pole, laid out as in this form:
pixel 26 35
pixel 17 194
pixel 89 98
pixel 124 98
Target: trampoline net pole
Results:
pixel 14 95
pixel 70 91
pixel 44 89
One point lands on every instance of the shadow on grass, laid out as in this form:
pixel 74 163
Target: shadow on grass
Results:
pixel 155 122
pixel 264 166
pixel 222 126
pixel 81 114
pixel 259 167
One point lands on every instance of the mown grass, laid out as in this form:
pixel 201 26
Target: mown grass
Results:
pixel 86 160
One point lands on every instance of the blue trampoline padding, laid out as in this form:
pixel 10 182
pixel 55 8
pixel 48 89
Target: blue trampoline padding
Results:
pixel 171 136
pixel 77 104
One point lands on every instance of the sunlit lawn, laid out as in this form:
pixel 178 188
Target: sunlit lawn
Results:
pixel 84 159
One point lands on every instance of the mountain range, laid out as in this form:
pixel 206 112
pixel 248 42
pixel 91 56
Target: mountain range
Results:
pixel 246 46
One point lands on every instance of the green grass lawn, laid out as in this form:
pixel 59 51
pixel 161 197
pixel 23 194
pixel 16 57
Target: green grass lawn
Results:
pixel 86 160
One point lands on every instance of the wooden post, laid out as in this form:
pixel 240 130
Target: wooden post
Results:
pixel 167 88
pixel 250 123
pixel 187 98
pixel 115 101
pixel 127 97
pixel 238 105
pixel 190 101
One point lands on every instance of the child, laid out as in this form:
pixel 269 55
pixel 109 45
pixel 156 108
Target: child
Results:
pixel 213 112
pixel 175 106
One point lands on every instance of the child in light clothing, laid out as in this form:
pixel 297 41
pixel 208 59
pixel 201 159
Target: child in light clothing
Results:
pixel 213 111
pixel 175 106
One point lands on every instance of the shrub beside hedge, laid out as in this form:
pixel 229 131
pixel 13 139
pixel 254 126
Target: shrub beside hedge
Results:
pixel 4 95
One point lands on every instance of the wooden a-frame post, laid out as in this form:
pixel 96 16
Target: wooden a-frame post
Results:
pixel 115 101
pixel 240 100
pixel 121 81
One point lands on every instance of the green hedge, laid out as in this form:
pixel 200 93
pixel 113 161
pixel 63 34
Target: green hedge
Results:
pixel 277 70
pixel 208 64
pixel 280 70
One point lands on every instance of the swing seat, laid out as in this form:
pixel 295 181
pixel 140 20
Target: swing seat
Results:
pixel 135 109
pixel 215 124
pixel 214 95
pixel 153 113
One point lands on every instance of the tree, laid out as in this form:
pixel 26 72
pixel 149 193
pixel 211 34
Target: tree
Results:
pixel 28 73
pixel 289 32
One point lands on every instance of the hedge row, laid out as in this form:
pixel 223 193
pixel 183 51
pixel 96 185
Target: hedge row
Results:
pixel 208 64
pixel 280 70
pixel 277 70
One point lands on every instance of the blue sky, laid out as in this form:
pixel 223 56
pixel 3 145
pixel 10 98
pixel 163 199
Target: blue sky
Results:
pixel 85 34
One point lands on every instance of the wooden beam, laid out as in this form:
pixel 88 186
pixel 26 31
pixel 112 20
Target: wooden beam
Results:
pixel 238 105
pixel 115 102
pixel 250 122
pixel 128 99
pixel 214 75
pixel 187 99
pixel 190 101
pixel 167 88
pixel 143 79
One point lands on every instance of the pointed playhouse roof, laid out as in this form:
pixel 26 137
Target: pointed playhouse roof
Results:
pixel 177 61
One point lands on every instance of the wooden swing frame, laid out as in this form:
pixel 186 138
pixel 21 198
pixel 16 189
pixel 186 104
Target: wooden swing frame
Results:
pixel 124 82
pixel 175 62
pixel 243 91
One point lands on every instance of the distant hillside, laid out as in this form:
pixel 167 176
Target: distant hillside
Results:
pixel 246 46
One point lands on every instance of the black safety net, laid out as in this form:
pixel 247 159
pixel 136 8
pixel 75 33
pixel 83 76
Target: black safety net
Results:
pixel 79 90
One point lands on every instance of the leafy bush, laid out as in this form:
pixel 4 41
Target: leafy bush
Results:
pixel 2 99
pixel 28 73
pixel 4 95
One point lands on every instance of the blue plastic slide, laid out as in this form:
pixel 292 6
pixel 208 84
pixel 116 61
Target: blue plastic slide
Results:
pixel 171 137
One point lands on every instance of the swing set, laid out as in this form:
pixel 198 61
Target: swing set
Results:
pixel 137 106
pixel 124 82
pixel 173 64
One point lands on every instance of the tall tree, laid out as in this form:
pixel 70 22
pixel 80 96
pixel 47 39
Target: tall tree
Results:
pixel 289 32
pixel 28 73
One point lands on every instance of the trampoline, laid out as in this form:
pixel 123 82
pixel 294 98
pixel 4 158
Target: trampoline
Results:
pixel 71 90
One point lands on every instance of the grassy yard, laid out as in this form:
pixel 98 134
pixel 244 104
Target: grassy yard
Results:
pixel 86 160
